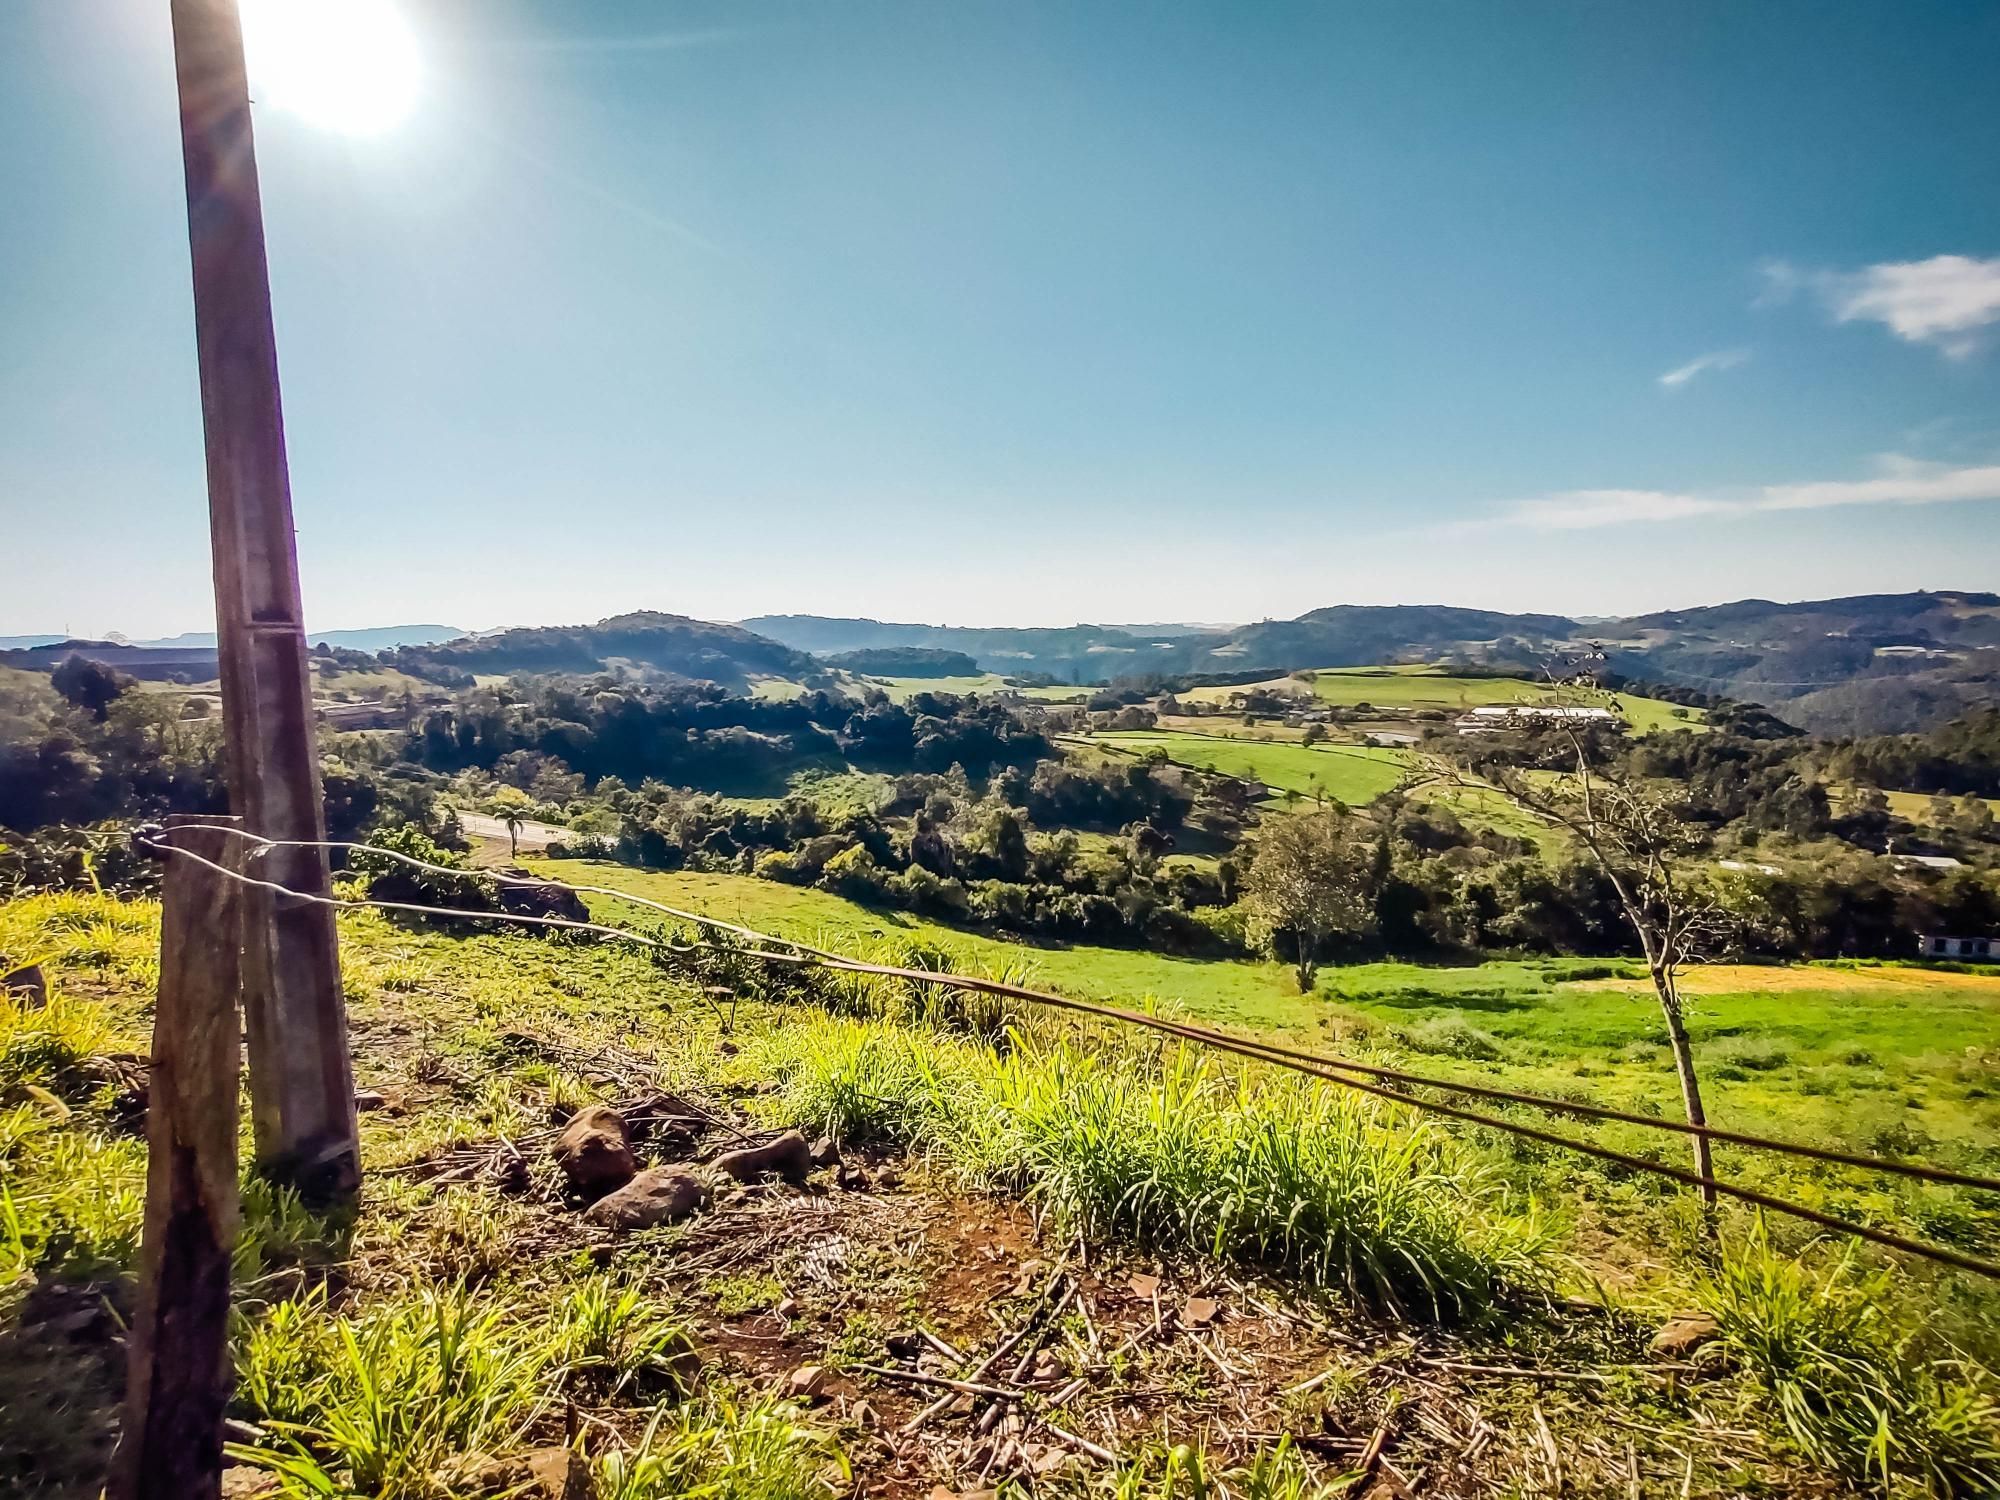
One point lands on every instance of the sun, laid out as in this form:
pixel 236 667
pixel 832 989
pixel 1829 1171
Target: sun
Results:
pixel 345 65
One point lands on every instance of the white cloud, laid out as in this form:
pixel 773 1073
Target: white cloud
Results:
pixel 1948 301
pixel 1899 480
pixel 1721 359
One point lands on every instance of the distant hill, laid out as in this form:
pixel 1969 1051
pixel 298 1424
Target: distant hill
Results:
pixel 377 638
pixel 906 661
pixel 1866 664
pixel 150 663
pixel 1072 653
pixel 673 644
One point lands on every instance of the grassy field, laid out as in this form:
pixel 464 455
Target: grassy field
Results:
pixel 467 1309
pixel 1415 688
pixel 1912 807
pixel 375 683
pixel 1885 1058
pixel 1477 807
pixel 1356 775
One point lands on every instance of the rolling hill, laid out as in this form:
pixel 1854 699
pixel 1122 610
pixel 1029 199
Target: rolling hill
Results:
pixel 675 645
pixel 1869 663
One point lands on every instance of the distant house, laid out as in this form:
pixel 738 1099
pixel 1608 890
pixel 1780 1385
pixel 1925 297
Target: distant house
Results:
pixel 1742 866
pixel 1932 945
pixel 1930 861
pixel 1501 718
pixel 362 715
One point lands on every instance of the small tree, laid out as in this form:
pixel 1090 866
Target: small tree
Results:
pixel 1308 879
pixel 90 685
pixel 1640 839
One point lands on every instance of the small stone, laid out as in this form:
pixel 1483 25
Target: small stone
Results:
pixel 852 1178
pixel 1684 1333
pixel 907 1344
pixel 1048 1366
pixel 888 1177
pixel 806 1383
pixel 788 1157
pixel 1198 1312
pixel 27 987
pixel 369 1099
pixel 789 1308
pixel 825 1153
pixel 241 1482
pixel 594 1150
pixel 663 1195
pixel 1144 1287
pixel 865 1416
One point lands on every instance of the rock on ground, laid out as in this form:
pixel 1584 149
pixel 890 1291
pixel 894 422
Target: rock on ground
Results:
pixel 1684 1333
pixel 662 1195
pixel 594 1150
pixel 788 1157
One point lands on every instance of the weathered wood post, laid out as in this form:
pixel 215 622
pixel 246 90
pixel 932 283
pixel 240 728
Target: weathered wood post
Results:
pixel 301 1077
pixel 177 1381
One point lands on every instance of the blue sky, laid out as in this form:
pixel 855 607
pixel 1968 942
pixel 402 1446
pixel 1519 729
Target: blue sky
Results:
pixel 1025 313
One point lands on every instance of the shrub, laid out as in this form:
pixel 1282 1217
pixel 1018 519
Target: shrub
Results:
pixel 392 880
pixel 1448 1035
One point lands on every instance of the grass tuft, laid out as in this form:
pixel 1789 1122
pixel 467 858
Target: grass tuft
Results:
pixel 1846 1382
pixel 1181 1154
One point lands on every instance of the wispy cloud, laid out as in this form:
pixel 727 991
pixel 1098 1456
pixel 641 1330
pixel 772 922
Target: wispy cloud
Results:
pixel 1948 302
pixel 1898 480
pixel 1721 359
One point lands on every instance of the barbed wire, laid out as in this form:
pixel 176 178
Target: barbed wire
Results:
pixel 1545 1102
pixel 1331 1070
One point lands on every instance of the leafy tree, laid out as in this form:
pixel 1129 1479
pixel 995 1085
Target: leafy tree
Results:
pixel 1309 879
pixel 90 685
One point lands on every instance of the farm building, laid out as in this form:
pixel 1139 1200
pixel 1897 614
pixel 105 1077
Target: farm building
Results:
pixel 1933 945
pixel 1929 862
pixel 362 715
pixel 1499 718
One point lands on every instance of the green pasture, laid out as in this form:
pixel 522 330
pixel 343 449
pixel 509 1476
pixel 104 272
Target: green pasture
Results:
pixel 1413 689
pixel 1893 1059
pixel 1353 774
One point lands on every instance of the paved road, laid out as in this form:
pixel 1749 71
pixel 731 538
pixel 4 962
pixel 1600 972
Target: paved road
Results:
pixel 533 836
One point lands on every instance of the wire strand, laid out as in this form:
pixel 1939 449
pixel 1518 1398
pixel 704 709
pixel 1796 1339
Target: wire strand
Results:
pixel 1257 1052
pixel 1917 1170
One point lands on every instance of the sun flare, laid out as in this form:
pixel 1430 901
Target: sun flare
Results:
pixel 345 65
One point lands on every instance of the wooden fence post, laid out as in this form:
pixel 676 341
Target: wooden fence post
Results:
pixel 177 1384
pixel 301 1076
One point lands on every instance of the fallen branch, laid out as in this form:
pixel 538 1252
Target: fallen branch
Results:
pixel 945 1382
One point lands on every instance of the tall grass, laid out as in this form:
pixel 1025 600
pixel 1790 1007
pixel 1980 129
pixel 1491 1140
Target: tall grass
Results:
pixel 380 1400
pixel 82 930
pixel 718 1450
pixel 1178 1153
pixel 916 1002
pixel 1846 1376
pixel 70 1201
